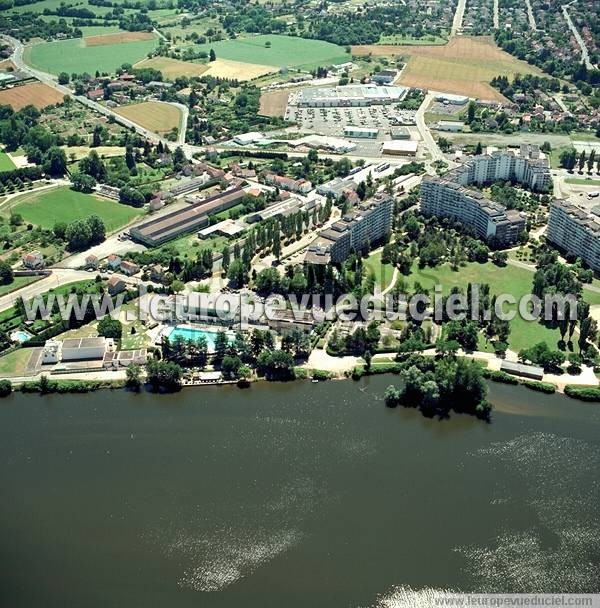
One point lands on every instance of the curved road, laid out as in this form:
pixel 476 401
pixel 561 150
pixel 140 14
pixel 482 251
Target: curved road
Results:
pixel 49 79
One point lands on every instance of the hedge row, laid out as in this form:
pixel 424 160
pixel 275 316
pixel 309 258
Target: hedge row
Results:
pixel 584 393
pixel 542 387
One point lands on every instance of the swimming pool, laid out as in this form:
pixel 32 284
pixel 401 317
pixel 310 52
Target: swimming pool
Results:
pixel 20 335
pixel 192 333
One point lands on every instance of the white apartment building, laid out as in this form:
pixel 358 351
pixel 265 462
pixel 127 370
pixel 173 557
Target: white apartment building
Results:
pixel 367 223
pixel 576 231
pixel 449 196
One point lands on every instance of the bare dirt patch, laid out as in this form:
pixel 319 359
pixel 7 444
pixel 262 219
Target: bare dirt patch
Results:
pixel 118 38
pixel 236 70
pixel 273 103
pixel 464 66
pixel 173 68
pixel 36 94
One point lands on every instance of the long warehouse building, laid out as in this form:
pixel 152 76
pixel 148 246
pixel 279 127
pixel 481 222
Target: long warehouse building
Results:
pixel 159 230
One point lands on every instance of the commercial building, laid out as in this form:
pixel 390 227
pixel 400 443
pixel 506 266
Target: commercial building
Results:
pixel 76 349
pixel 399 133
pixel 453 126
pixel 171 225
pixel 363 132
pixel 576 231
pixel 322 142
pixel 191 185
pixel 368 223
pixel 282 209
pixel 351 95
pixel 455 100
pixel 337 187
pixel 385 76
pixel 287 183
pixel 489 220
pixel 399 147
pixel 245 139
pixel 524 371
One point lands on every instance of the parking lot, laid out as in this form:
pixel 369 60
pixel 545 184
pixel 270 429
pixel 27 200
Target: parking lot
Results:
pixel 331 122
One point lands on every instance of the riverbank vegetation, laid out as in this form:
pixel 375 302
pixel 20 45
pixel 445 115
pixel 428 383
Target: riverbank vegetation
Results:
pixel 438 386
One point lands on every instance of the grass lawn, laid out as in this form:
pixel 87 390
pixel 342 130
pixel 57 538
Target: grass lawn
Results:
pixel 284 51
pixel 72 56
pixel 17 283
pixel 580 181
pixel 509 280
pixel 15 363
pixel 65 205
pixel 189 245
pixel 383 272
pixel 554 156
pixel 584 136
pixel 5 163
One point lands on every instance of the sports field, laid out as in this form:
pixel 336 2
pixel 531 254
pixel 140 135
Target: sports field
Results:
pixel 287 51
pixel 173 68
pixel 5 163
pixel 464 66
pixel 74 56
pixel 153 115
pixel 65 205
pixel 37 94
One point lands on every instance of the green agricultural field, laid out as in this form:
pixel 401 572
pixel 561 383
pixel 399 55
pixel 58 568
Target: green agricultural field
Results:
pixel 65 205
pixel 5 163
pixel 284 51
pixel 72 56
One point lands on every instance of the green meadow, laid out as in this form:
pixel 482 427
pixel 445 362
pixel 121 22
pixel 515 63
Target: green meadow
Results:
pixel 288 51
pixel 72 56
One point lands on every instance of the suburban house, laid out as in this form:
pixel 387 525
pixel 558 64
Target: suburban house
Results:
pixel 157 273
pixel 129 268
pixel 91 261
pixel 115 285
pixel 113 261
pixel 33 260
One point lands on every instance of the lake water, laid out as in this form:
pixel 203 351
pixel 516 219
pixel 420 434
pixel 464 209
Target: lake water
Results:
pixel 296 495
